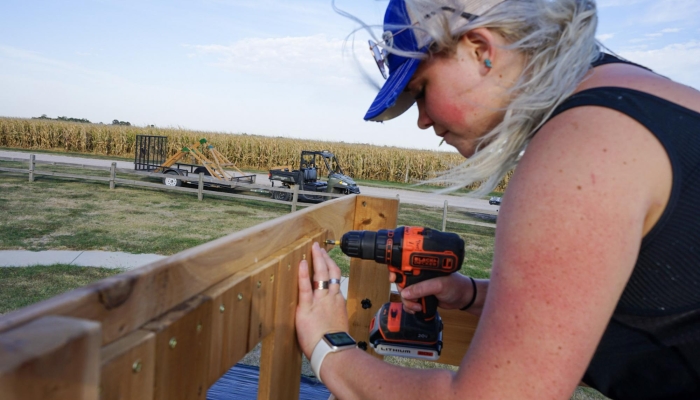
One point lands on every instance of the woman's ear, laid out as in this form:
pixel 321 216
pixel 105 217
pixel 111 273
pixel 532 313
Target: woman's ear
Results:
pixel 481 47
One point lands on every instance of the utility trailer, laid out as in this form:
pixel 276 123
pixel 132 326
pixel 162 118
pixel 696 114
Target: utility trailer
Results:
pixel 151 153
pixel 307 177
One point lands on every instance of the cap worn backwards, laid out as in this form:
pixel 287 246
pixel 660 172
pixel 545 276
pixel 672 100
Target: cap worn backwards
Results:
pixel 392 99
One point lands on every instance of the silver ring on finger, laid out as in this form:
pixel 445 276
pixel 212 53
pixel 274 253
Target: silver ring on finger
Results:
pixel 333 280
pixel 320 285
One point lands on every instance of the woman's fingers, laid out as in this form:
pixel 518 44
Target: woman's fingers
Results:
pixel 321 273
pixel 411 294
pixel 333 273
pixel 305 292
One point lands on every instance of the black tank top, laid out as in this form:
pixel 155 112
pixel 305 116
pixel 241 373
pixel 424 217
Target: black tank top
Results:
pixel 651 347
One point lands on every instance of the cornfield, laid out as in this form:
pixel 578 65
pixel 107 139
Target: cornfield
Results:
pixel 380 163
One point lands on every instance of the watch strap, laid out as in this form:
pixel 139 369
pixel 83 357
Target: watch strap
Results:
pixel 320 352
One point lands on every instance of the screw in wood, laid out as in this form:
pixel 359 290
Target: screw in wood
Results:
pixel 259 284
pixel 136 366
pixel 272 278
pixel 199 327
pixel 240 296
pixel 222 308
pixel 172 343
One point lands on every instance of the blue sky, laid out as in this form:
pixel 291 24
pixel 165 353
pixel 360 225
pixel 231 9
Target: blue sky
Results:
pixel 264 67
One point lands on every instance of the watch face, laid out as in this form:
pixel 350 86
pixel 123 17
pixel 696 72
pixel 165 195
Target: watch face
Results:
pixel 339 339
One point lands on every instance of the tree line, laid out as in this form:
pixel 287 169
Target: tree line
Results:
pixel 82 120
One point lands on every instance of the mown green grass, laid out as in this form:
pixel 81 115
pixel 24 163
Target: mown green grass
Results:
pixel 22 286
pixel 54 214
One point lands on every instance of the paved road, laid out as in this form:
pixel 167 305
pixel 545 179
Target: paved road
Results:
pixel 406 196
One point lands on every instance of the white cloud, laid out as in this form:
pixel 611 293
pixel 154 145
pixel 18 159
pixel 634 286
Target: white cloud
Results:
pixel 653 35
pixel 679 61
pixel 605 36
pixel 309 58
pixel 34 60
pixel 681 11
pixel 670 30
pixel 617 3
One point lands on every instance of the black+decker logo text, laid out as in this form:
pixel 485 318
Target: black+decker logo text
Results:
pixel 425 261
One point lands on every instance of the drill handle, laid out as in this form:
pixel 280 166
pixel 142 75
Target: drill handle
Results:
pixel 430 304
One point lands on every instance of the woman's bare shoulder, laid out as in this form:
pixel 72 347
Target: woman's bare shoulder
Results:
pixel 632 77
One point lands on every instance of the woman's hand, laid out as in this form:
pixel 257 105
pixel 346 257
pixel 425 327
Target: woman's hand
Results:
pixel 321 310
pixel 453 291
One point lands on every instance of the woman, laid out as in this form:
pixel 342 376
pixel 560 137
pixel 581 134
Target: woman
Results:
pixel 596 266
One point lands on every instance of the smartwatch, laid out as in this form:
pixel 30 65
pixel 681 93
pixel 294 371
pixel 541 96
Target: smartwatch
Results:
pixel 330 343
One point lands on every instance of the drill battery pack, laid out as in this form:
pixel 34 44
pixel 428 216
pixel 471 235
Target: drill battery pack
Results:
pixel 394 332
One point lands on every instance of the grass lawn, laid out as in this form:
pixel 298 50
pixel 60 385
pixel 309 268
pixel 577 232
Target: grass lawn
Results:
pixel 22 286
pixel 60 214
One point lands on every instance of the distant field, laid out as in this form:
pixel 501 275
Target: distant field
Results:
pixel 251 152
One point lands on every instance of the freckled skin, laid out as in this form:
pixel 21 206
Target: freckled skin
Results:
pixel 562 255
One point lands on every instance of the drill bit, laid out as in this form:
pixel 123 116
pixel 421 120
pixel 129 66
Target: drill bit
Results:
pixel 331 241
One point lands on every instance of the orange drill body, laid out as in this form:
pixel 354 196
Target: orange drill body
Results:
pixel 414 254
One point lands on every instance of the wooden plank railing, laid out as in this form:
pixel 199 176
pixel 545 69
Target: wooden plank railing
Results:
pixel 170 329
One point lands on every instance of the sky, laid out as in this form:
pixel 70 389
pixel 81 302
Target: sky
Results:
pixel 275 68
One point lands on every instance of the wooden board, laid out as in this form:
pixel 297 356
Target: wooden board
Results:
pixel 182 351
pixel 125 302
pixel 128 367
pixel 51 358
pixel 262 302
pixel 281 380
pixel 230 311
pixel 369 280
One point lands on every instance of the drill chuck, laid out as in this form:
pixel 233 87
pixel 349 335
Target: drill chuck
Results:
pixel 366 245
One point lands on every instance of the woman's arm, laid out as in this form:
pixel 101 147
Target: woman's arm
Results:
pixel 565 247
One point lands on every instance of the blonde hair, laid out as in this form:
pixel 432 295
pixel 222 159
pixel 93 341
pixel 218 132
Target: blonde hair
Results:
pixel 557 39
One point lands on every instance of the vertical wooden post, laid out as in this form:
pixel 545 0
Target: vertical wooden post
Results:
pixel 112 175
pixel 182 350
pixel 200 188
pixel 128 367
pixel 51 358
pixel 31 167
pixel 295 197
pixel 369 280
pixel 280 380
pixel 444 217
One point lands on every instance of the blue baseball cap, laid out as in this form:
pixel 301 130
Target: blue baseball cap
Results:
pixel 392 99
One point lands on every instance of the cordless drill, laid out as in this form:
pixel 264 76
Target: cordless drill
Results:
pixel 414 254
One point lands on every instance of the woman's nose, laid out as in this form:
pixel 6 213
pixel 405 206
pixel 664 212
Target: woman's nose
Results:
pixel 424 121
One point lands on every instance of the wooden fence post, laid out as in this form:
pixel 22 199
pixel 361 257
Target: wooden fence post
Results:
pixel 51 358
pixel 31 168
pixel 295 197
pixel 112 174
pixel 200 188
pixel 444 217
